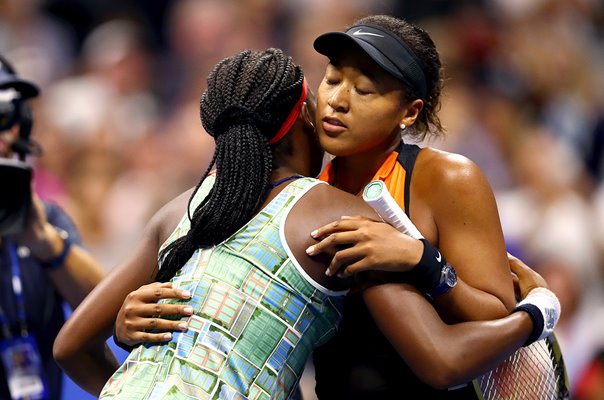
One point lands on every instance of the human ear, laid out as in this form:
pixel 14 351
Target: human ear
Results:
pixel 411 111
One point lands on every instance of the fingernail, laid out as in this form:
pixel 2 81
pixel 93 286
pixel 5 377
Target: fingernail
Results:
pixel 310 250
pixel 185 293
pixel 167 336
pixel 314 233
pixel 188 310
pixel 182 326
pixel 328 272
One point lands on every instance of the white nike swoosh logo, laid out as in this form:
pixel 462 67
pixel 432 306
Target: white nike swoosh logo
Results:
pixel 361 33
pixel 439 258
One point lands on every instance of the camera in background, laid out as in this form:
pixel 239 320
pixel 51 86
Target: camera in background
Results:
pixel 15 201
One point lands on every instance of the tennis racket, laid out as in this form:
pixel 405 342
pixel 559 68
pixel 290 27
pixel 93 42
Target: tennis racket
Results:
pixel 534 372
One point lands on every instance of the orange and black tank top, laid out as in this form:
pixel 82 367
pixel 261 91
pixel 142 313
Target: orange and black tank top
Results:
pixel 395 171
pixel 359 362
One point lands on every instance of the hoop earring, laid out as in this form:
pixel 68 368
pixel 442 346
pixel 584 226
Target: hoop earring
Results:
pixel 403 126
pixel 306 116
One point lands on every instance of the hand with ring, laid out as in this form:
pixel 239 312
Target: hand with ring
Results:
pixel 140 317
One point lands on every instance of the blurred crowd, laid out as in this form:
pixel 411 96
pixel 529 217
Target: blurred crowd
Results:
pixel 524 98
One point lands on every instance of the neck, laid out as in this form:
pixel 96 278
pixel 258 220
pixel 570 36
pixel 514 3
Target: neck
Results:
pixel 283 172
pixel 279 178
pixel 352 173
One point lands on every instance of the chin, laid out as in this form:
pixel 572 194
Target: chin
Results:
pixel 329 144
pixel 334 150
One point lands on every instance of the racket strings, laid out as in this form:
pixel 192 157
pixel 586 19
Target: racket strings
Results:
pixel 531 373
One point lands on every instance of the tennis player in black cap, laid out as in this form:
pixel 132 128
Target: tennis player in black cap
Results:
pixel 381 90
pixel 42 262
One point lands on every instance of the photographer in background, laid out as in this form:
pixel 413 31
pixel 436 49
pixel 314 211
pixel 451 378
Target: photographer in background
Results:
pixel 42 263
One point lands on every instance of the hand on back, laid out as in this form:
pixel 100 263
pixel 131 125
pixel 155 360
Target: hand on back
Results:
pixel 139 320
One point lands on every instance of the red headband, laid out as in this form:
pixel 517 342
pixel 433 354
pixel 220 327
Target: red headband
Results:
pixel 293 115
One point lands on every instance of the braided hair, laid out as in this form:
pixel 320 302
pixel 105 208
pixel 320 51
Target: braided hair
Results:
pixel 248 98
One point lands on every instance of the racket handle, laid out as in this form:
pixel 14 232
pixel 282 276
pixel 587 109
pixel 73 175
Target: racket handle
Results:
pixel 376 194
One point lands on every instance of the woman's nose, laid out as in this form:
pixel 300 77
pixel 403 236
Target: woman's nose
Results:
pixel 339 100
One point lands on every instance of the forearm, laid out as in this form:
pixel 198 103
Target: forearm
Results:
pixel 454 297
pixel 73 275
pixel 471 349
pixel 442 355
pixel 76 278
pixel 465 303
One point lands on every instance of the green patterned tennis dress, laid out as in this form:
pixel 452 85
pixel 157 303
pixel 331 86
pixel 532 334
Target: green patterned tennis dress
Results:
pixel 258 316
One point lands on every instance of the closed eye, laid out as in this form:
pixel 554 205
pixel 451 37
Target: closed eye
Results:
pixel 363 92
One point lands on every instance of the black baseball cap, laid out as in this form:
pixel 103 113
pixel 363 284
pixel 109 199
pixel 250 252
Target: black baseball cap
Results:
pixel 8 79
pixel 386 49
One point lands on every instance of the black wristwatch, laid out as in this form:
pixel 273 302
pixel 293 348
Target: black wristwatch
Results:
pixel 448 280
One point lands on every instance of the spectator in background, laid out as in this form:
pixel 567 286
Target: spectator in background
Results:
pixel 42 261
pixel 591 385
pixel 548 220
pixel 40 45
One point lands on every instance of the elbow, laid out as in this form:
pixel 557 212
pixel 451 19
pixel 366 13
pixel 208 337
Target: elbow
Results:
pixel 443 378
pixel 64 351
pixel 440 371
pixel 61 352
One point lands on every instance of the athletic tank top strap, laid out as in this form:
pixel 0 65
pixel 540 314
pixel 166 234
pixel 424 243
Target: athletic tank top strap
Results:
pixel 395 172
pixel 407 154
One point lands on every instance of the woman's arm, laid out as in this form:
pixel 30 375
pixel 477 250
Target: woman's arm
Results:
pixel 439 354
pixel 80 348
pixel 454 204
pixel 446 355
pixel 72 270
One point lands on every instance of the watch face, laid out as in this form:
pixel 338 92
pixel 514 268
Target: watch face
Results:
pixel 450 276
pixel 448 279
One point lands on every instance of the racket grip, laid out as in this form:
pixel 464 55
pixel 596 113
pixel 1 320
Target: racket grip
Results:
pixel 376 194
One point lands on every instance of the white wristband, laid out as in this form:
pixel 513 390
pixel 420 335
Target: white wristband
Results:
pixel 544 308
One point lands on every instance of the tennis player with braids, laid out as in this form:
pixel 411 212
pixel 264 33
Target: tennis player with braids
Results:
pixel 234 248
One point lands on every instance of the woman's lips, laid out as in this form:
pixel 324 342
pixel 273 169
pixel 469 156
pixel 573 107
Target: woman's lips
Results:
pixel 333 125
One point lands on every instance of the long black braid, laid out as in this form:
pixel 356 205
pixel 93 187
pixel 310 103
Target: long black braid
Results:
pixel 249 96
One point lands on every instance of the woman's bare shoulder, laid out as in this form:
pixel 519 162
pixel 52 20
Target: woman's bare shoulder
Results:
pixel 165 220
pixel 440 170
pixel 321 205
pixel 329 202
